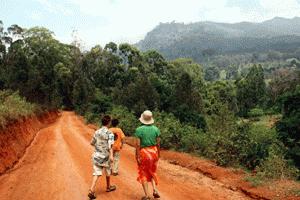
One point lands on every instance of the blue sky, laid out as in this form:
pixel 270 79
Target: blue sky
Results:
pixel 101 21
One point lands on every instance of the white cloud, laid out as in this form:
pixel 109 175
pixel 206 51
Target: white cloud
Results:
pixel 36 15
pixel 286 8
pixel 55 8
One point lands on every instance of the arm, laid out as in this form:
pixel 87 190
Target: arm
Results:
pixel 158 146
pixel 110 145
pixel 93 141
pixel 122 140
pixel 137 151
pixel 111 155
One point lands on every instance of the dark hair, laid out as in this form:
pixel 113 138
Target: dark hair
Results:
pixel 105 120
pixel 114 122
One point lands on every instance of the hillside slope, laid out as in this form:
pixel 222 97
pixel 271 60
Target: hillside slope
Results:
pixel 191 40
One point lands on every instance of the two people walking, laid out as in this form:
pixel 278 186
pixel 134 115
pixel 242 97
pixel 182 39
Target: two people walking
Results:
pixel 109 141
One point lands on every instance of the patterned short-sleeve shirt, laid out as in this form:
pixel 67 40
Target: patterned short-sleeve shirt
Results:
pixel 103 140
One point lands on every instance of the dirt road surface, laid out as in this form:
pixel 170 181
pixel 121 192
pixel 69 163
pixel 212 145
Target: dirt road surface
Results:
pixel 57 166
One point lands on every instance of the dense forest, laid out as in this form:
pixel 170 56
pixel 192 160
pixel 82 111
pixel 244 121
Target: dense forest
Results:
pixel 246 119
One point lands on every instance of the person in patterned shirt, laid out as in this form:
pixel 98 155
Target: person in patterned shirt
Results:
pixel 102 157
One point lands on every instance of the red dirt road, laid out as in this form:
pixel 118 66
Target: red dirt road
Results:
pixel 58 166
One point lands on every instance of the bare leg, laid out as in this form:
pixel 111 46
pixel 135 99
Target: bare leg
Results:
pixel 95 179
pixel 115 166
pixel 109 187
pixel 145 187
pixel 155 191
pixel 107 182
pixel 154 186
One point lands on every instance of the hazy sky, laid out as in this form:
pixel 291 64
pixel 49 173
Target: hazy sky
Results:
pixel 101 21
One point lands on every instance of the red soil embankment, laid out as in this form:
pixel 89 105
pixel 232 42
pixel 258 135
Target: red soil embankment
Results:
pixel 17 136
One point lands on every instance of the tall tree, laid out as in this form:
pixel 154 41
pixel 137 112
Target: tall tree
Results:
pixel 223 92
pixel 139 95
pixel 283 80
pixel 212 73
pixel 112 47
pixel 157 63
pixel 289 126
pixel 251 90
pixel 131 55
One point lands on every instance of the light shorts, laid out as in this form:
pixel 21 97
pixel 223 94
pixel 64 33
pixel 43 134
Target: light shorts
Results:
pixel 98 170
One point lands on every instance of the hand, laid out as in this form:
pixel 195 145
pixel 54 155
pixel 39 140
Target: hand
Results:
pixel 111 159
pixel 138 160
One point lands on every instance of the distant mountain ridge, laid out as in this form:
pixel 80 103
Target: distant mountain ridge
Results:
pixel 190 40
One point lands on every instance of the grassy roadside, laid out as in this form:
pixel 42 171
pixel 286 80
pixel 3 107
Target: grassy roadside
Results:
pixel 14 107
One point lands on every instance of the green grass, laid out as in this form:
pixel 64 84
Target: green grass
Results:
pixel 296 192
pixel 268 120
pixel 13 107
pixel 265 120
pixel 255 181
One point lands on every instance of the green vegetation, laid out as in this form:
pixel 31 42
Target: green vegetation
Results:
pixel 296 192
pixel 289 127
pixel 228 51
pixel 255 112
pixel 13 107
pixel 128 122
pixel 224 120
pixel 254 180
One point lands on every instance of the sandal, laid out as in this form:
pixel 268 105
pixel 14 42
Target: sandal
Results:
pixel 115 174
pixel 156 195
pixel 91 194
pixel 111 188
pixel 145 198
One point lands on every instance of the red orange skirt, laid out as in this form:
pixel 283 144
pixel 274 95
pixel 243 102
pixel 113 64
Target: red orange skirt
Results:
pixel 147 168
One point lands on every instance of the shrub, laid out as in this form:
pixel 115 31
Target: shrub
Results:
pixel 176 135
pixel 222 138
pixel 128 121
pixel 92 118
pixel 170 128
pixel 222 148
pixel 194 141
pixel 257 141
pixel 231 143
pixel 254 180
pixel 255 112
pixel 13 107
pixel 275 166
pixel 185 115
pixel 288 127
pixel 100 104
